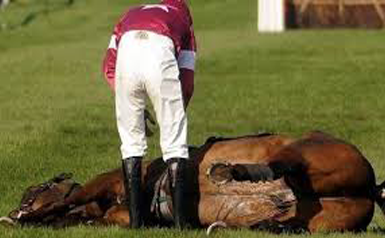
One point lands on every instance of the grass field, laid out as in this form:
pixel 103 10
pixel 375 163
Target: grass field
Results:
pixel 57 113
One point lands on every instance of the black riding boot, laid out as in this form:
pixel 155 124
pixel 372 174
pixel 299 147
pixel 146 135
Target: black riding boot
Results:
pixel 132 171
pixel 176 174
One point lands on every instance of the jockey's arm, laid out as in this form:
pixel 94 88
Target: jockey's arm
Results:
pixel 109 62
pixel 186 62
pixel 187 80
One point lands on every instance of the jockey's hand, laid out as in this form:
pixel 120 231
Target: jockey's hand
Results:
pixel 148 118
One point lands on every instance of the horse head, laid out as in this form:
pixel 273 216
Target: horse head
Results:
pixel 39 199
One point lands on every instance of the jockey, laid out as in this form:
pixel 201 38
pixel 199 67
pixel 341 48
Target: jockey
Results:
pixel 152 51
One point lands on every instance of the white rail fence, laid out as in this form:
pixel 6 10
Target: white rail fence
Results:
pixel 271 16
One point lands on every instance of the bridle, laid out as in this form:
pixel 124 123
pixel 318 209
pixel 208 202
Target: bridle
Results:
pixel 32 193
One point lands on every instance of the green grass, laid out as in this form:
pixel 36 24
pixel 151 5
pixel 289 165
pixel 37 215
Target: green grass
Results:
pixel 57 114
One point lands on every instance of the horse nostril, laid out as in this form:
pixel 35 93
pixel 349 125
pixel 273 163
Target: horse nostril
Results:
pixel 383 193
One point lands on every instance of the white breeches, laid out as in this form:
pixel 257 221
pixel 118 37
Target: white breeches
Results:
pixel 146 64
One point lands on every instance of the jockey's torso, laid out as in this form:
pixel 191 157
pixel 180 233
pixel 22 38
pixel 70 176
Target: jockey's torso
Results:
pixel 171 20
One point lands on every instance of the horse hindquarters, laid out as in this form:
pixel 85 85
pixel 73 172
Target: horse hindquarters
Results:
pixel 325 167
pixel 333 214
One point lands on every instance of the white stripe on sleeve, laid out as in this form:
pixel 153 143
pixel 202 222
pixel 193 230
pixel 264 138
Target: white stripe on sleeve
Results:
pixel 186 59
pixel 112 44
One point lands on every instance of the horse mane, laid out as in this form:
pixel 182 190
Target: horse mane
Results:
pixel 213 139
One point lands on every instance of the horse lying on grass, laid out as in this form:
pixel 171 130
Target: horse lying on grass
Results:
pixel 274 182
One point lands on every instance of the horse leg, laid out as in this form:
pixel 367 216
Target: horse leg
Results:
pixel 334 214
pixel 116 215
pixel 106 187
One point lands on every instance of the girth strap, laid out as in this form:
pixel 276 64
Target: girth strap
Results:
pixel 161 203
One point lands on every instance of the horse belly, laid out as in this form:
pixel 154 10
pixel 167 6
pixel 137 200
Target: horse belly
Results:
pixel 245 204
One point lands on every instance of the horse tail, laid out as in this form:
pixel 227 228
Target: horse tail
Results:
pixel 380 196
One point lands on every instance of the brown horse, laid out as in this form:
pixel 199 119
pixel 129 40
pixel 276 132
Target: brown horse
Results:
pixel 318 183
pixel 333 183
